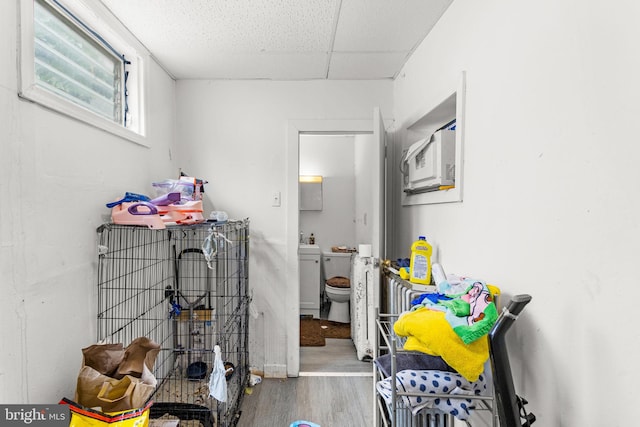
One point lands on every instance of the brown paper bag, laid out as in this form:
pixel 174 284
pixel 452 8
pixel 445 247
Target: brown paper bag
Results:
pixel 95 390
pixel 122 395
pixel 139 353
pixel 104 358
pixel 88 387
pixel 116 395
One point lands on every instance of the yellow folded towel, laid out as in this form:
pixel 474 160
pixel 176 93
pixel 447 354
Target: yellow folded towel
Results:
pixel 429 332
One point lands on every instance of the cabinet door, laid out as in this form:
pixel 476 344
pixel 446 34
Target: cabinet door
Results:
pixel 310 285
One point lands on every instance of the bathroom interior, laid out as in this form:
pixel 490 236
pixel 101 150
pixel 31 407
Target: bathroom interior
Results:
pixel 332 226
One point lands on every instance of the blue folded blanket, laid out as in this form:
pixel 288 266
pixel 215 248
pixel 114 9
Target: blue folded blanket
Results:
pixel 412 360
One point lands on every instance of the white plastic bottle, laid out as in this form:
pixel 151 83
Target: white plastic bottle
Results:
pixel 438 274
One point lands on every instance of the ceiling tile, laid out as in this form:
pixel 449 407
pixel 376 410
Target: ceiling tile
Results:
pixel 222 25
pixel 383 25
pixel 362 66
pixel 275 66
pixel 259 39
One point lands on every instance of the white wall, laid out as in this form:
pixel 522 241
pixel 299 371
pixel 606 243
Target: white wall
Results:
pixel 234 134
pixel 57 175
pixel 363 196
pixel 332 157
pixel 550 192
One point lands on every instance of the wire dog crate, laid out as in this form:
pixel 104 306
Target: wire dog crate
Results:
pixel 184 287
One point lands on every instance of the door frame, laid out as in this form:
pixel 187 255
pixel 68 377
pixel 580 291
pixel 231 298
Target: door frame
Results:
pixel 292 294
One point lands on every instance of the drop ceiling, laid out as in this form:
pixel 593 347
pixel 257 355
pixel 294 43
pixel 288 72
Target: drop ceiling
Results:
pixel 280 39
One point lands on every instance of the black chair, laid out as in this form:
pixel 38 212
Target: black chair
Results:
pixel 511 407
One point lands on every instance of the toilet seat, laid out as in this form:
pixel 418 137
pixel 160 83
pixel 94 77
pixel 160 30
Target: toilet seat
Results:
pixel 338 282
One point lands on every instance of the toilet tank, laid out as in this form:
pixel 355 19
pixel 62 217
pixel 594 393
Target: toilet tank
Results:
pixel 336 264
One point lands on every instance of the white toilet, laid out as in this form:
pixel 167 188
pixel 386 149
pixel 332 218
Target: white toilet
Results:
pixel 336 268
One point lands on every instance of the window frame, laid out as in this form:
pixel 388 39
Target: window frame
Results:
pixel 97 17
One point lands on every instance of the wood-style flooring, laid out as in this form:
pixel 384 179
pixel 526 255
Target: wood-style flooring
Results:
pixel 334 389
pixel 327 401
pixel 337 356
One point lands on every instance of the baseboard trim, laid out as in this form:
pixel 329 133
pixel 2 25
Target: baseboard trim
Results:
pixel 275 371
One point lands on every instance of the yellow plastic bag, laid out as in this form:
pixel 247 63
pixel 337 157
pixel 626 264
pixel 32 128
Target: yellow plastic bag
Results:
pixel 86 417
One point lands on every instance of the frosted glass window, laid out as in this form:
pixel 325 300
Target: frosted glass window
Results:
pixel 72 64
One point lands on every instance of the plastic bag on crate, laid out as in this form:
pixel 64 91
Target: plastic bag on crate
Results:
pixel 190 188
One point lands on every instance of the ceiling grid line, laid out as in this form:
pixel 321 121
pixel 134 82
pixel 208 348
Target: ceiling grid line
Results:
pixel 336 20
pixel 283 40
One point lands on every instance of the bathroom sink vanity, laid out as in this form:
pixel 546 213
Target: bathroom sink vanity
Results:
pixel 309 259
pixel 304 249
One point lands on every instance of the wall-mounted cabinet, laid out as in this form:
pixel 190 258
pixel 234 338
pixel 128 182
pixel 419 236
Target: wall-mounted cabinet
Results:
pixel 310 193
pixel 431 163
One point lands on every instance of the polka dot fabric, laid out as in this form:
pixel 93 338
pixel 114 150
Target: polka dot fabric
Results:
pixel 434 382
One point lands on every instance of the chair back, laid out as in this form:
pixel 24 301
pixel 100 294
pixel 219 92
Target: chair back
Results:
pixel 506 398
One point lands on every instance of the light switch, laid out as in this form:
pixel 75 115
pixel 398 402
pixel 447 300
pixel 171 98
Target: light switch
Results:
pixel 275 199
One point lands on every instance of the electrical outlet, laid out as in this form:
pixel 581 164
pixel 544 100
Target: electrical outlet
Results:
pixel 275 199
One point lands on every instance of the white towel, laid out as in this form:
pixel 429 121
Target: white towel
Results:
pixel 218 380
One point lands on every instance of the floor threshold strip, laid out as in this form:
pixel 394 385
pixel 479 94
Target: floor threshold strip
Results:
pixel 335 374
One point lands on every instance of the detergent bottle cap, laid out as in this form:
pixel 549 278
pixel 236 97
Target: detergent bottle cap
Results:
pixel 422 238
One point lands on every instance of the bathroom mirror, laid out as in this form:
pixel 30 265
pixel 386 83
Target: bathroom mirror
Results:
pixel 310 193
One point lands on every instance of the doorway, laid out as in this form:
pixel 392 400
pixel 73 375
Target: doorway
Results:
pixel 336 218
pixel 295 130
